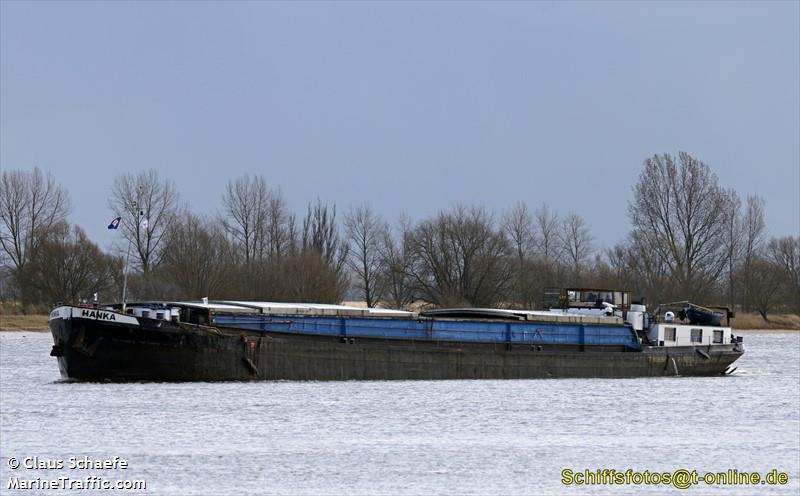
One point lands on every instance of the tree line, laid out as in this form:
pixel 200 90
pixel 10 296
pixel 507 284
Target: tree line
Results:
pixel 689 238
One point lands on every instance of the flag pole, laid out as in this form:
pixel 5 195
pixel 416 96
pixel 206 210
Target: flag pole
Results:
pixel 128 255
pixel 125 278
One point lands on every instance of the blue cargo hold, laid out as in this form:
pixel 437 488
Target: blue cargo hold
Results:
pixel 426 329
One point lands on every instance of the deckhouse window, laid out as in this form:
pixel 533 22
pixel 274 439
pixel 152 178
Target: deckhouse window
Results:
pixel 697 335
pixel 717 336
pixel 669 334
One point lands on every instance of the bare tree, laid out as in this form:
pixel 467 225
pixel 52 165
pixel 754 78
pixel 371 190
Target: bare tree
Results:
pixel 365 232
pixel 304 275
pixel 256 218
pixel 618 259
pixel 733 241
pixel 292 236
pixel 197 257
pixel 576 240
pixel 459 258
pixel 279 225
pixel 518 225
pixel 397 260
pixel 546 234
pixel 148 205
pixel 69 267
pixel 785 253
pixel 753 231
pixel 764 285
pixel 246 204
pixel 31 204
pixel 649 274
pixel 320 233
pixel 519 228
pixel 678 211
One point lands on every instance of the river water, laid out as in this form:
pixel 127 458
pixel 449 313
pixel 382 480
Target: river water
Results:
pixel 425 437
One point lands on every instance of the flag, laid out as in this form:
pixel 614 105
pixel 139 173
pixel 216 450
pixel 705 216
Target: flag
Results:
pixel 115 223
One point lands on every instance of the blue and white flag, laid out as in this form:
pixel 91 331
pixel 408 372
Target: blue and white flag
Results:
pixel 115 223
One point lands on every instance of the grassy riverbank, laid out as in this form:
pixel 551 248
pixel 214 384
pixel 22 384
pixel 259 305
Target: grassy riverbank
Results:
pixel 15 317
pixel 36 322
pixel 783 322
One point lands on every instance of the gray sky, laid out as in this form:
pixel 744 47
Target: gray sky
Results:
pixel 411 107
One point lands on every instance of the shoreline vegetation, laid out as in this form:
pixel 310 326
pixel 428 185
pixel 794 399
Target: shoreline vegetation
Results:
pixel 742 322
pixel 690 238
pixel 34 322
pixel 753 321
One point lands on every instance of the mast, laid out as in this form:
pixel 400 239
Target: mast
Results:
pixel 139 213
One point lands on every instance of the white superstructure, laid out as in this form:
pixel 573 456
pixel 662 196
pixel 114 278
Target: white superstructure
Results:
pixel 678 334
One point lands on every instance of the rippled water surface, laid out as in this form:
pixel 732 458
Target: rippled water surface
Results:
pixel 448 437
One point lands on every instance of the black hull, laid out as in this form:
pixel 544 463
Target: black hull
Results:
pixel 91 350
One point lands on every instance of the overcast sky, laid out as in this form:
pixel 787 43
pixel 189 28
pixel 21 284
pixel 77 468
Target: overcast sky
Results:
pixel 410 107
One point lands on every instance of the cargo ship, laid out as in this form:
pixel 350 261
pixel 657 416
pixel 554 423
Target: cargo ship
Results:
pixel 580 333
